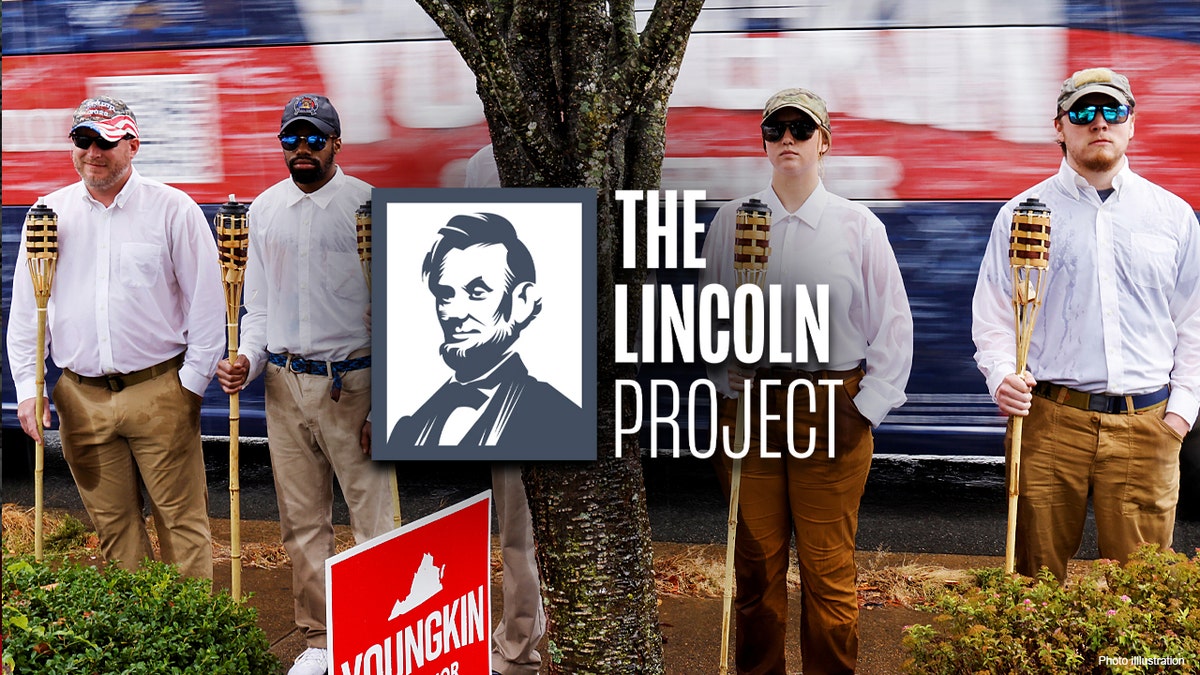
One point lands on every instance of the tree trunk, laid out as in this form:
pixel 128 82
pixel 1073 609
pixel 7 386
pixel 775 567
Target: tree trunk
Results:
pixel 575 97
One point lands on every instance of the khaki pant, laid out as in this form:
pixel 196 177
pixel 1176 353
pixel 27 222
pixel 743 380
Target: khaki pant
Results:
pixel 523 623
pixel 1128 463
pixel 816 498
pixel 311 439
pixel 151 429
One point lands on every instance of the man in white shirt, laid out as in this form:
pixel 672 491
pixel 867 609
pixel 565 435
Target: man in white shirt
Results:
pixel 306 298
pixel 135 322
pixel 1113 381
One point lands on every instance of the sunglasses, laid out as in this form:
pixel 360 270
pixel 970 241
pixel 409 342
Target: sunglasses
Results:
pixel 316 142
pixel 1112 114
pixel 84 142
pixel 802 129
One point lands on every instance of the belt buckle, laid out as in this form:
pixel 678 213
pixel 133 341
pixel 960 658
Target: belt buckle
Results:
pixel 115 383
pixel 1103 403
pixel 296 365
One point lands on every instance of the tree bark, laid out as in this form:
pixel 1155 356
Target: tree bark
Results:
pixel 575 97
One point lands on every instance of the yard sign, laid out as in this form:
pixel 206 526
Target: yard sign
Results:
pixel 417 600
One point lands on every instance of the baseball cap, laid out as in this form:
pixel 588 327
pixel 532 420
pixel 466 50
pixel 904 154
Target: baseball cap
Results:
pixel 800 99
pixel 314 109
pixel 1094 81
pixel 110 117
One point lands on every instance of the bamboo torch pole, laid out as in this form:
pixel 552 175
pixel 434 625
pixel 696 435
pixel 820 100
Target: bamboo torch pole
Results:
pixel 750 253
pixel 233 239
pixel 362 220
pixel 1029 257
pixel 41 249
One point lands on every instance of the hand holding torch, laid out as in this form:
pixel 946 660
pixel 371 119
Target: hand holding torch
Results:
pixel 41 250
pixel 1029 258
pixel 752 234
pixel 233 239
pixel 362 222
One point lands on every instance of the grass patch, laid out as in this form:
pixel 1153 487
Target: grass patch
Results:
pixel 64 533
pixel 699 571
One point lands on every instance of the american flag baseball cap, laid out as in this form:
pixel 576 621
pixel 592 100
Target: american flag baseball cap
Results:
pixel 110 117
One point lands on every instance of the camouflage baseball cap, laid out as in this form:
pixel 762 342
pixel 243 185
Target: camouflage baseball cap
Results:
pixel 800 99
pixel 314 109
pixel 1094 81
pixel 110 117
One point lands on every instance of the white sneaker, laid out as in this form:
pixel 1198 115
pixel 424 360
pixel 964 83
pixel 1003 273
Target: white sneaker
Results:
pixel 312 661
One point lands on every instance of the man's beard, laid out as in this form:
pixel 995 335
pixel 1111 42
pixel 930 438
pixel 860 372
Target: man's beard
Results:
pixel 473 361
pixel 1101 161
pixel 306 176
pixel 117 173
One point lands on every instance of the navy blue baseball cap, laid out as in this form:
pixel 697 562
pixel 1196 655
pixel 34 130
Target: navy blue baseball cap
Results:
pixel 314 109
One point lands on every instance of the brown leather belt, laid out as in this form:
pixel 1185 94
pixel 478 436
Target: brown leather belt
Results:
pixel 1105 403
pixel 119 382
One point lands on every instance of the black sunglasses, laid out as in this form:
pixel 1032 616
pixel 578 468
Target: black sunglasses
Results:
pixel 802 129
pixel 316 142
pixel 1082 115
pixel 84 142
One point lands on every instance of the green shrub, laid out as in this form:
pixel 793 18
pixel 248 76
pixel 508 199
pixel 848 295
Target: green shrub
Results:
pixel 1143 617
pixel 67 618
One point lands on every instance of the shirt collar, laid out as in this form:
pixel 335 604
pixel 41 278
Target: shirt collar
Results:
pixel 1077 186
pixel 323 196
pixel 810 211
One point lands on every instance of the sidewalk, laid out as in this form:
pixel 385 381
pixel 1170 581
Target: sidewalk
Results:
pixel 691 626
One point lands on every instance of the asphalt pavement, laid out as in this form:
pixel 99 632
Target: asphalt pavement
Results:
pixel 912 504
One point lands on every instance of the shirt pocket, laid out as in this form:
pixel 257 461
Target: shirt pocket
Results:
pixel 1153 261
pixel 141 264
pixel 346 279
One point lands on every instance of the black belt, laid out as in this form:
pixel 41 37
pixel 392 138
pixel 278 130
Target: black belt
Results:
pixel 119 382
pixel 1103 403
pixel 790 375
pixel 303 366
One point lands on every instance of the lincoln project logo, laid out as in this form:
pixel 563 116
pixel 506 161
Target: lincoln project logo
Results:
pixel 488 324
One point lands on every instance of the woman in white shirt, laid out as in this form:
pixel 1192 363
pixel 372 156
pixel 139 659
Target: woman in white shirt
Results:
pixel 817 240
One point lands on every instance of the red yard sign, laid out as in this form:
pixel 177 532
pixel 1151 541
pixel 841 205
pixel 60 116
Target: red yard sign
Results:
pixel 416 601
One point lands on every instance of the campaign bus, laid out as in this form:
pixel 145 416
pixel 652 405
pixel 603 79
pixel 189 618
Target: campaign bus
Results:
pixel 941 111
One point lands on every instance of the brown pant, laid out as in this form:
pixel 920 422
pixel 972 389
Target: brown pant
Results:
pixel 817 498
pixel 153 429
pixel 312 438
pixel 523 622
pixel 1129 464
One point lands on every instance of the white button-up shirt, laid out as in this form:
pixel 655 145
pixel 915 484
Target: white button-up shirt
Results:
pixel 135 284
pixel 305 289
pixel 1120 304
pixel 833 241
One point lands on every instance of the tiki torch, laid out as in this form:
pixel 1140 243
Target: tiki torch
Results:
pixel 751 237
pixel 362 222
pixel 233 238
pixel 1029 257
pixel 41 251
